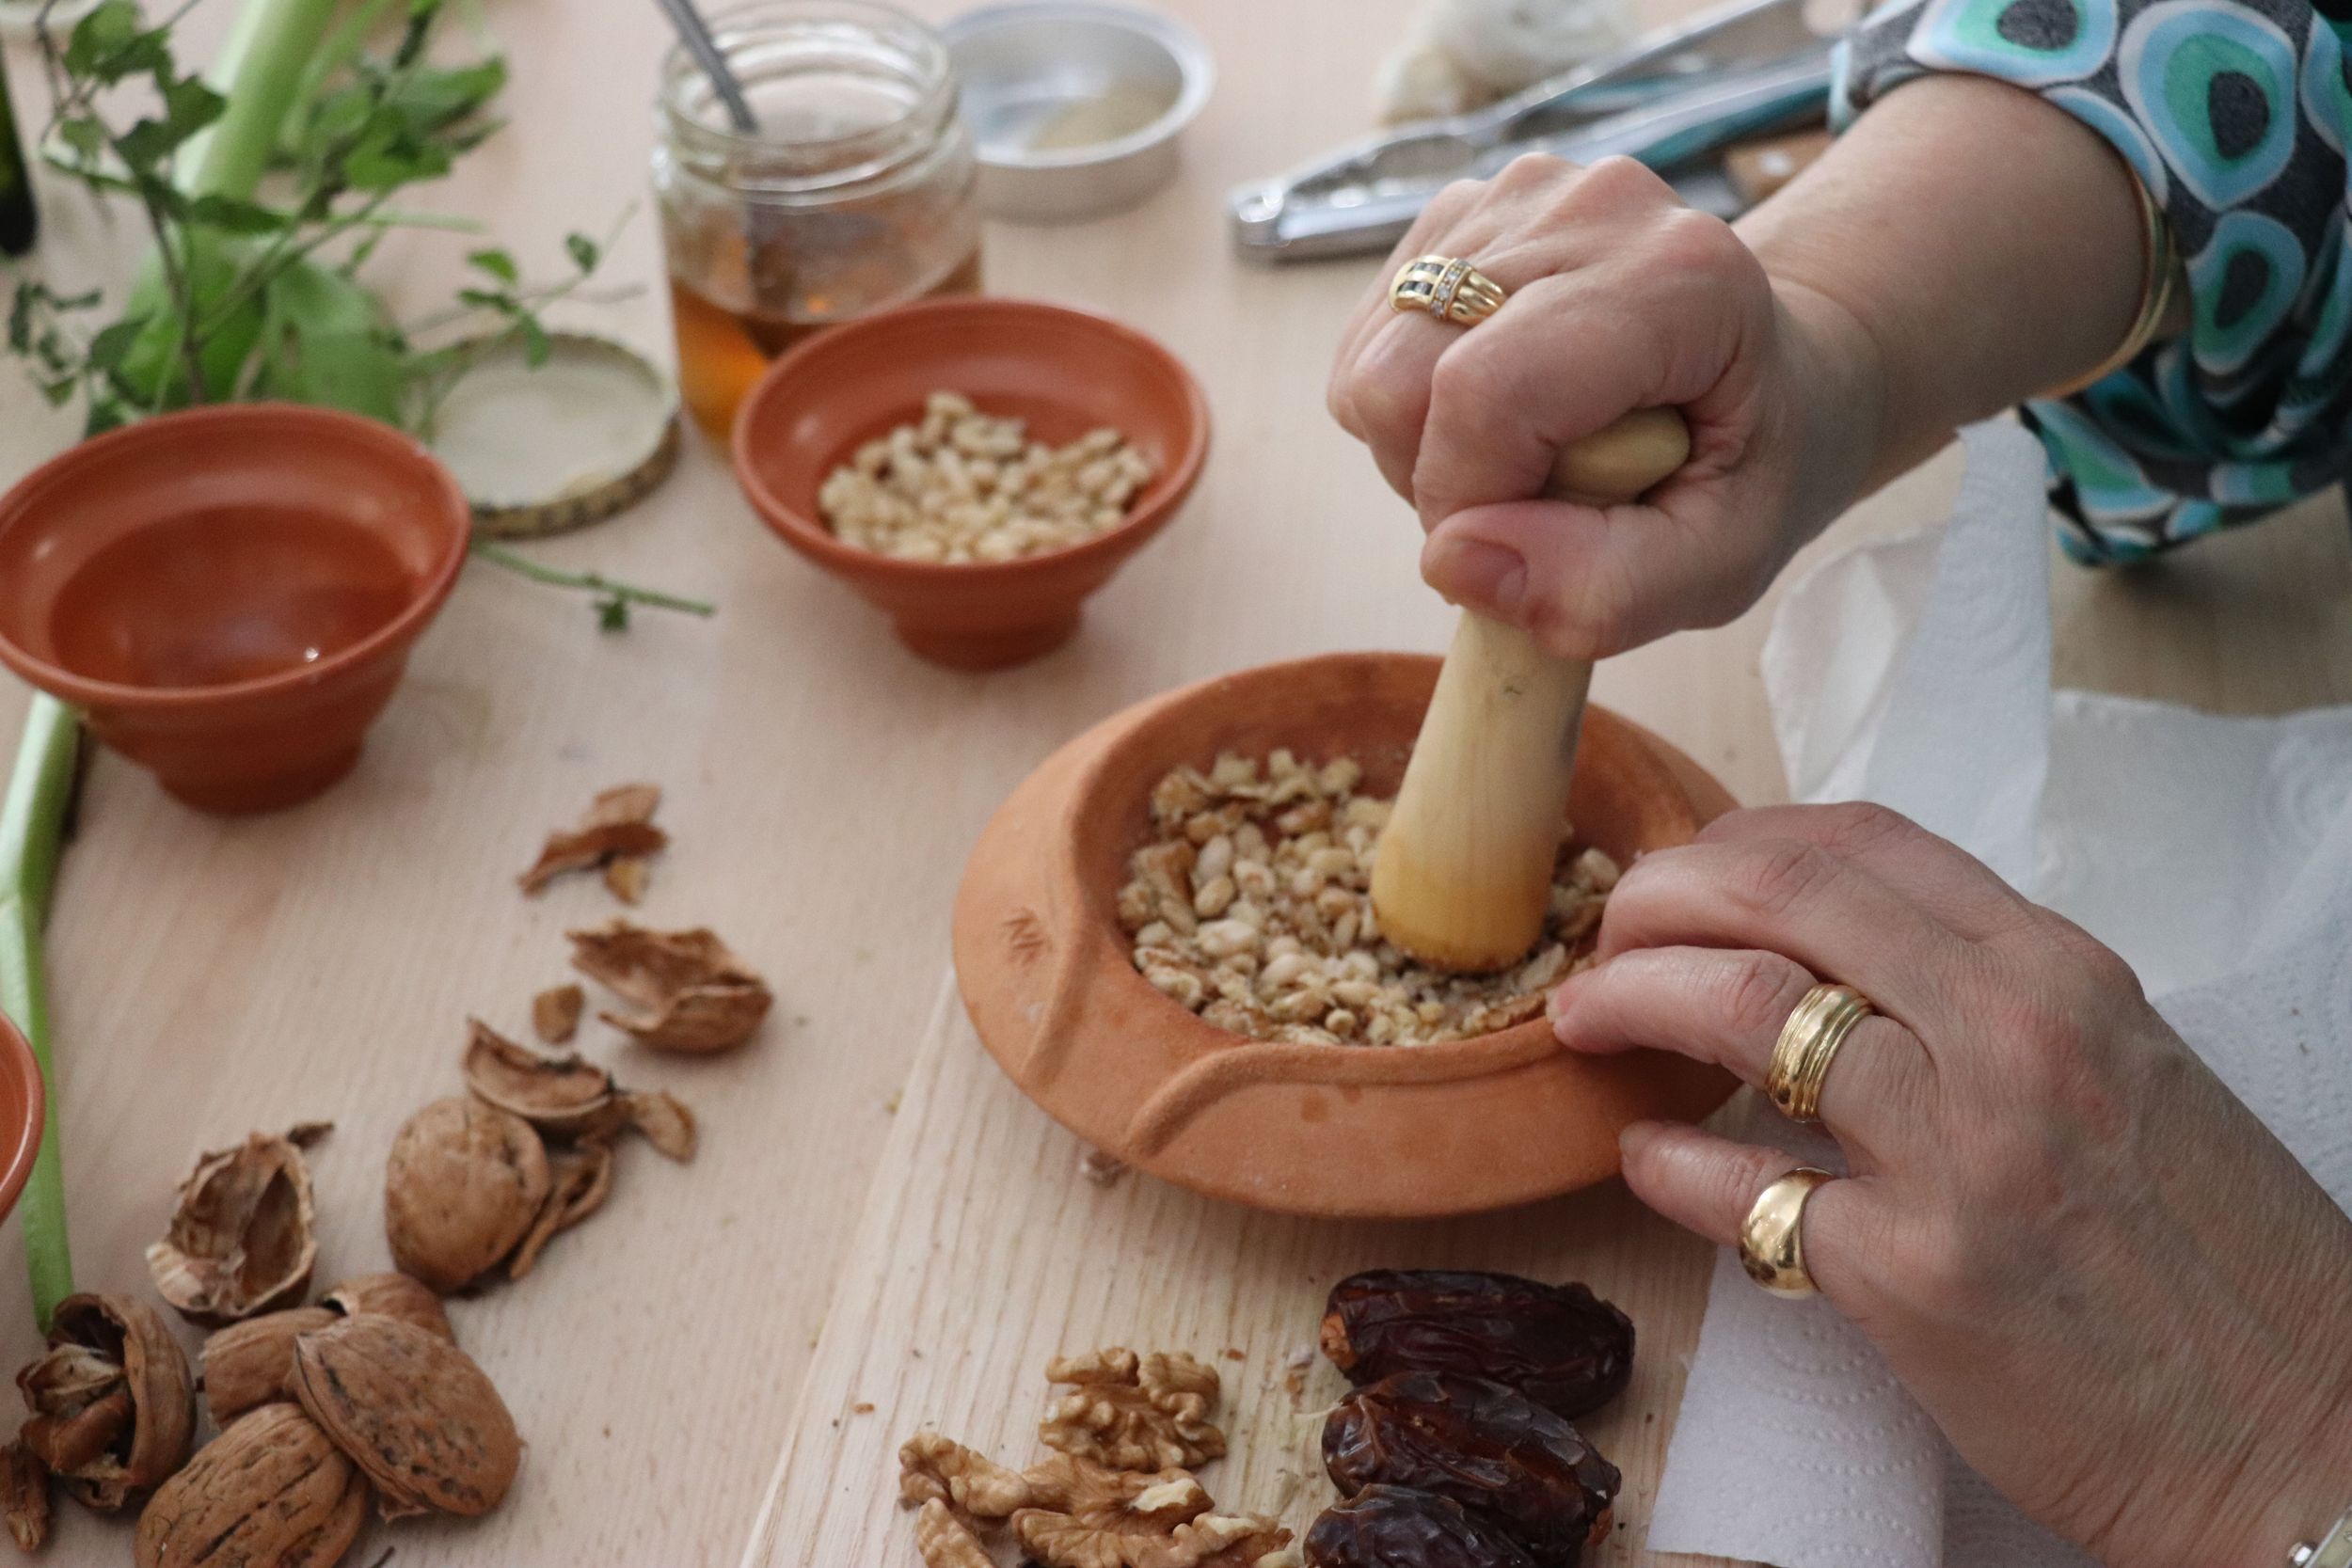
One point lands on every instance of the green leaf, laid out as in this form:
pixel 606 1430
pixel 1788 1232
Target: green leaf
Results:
pixel 84 135
pixel 108 45
pixel 613 615
pixel 585 253
pixel 498 263
pixel 382 163
pixel 534 338
pixel 107 350
pixel 434 100
pixel 231 216
pixel 484 299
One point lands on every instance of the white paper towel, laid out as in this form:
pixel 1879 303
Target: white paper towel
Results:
pixel 2215 854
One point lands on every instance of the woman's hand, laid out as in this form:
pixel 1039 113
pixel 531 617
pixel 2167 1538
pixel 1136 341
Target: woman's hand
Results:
pixel 2121 1299
pixel 1620 298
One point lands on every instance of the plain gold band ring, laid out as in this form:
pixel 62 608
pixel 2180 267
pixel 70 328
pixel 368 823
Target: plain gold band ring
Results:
pixel 1448 288
pixel 1808 1043
pixel 1771 1238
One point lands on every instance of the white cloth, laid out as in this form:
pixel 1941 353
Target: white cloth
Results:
pixel 2215 854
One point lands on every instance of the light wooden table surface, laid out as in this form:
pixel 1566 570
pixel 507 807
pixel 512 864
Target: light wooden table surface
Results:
pixel 213 976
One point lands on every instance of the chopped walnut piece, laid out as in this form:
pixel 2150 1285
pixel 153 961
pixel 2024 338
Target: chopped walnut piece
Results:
pixel 1251 907
pixel 945 1540
pixel 1135 1413
pixel 691 993
pixel 1087 1516
pixel 936 1469
pixel 555 1013
pixel 618 824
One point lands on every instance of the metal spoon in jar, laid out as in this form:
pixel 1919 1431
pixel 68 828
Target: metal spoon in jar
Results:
pixel 694 33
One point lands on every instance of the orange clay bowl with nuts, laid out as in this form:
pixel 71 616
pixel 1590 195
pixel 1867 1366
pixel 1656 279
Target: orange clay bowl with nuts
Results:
pixel 1063 373
pixel 1344 1130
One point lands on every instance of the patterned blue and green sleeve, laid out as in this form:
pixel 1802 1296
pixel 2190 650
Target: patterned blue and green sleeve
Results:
pixel 2234 113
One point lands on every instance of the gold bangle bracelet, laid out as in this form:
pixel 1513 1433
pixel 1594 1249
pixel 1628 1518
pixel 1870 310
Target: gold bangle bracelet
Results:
pixel 2160 265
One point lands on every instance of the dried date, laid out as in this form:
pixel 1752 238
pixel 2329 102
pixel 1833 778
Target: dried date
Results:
pixel 1560 1345
pixel 1395 1527
pixel 1496 1452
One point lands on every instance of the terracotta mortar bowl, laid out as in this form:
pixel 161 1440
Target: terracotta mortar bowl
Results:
pixel 230 594
pixel 1065 371
pixel 23 1106
pixel 1327 1129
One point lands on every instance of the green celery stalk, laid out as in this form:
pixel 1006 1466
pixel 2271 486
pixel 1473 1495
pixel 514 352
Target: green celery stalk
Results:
pixel 32 833
pixel 262 68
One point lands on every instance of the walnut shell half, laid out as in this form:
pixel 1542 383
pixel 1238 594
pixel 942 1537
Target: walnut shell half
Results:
pixel 413 1412
pixel 269 1491
pixel 24 1497
pixel 240 1240
pixel 114 1409
pixel 562 1095
pixel 463 1184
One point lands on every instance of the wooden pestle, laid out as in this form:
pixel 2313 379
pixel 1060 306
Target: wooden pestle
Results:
pixel 1463 874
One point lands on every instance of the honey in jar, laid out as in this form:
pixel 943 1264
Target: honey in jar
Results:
pixel 855 192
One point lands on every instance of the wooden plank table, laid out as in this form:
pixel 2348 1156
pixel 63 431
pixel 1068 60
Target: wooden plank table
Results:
pixel 214 976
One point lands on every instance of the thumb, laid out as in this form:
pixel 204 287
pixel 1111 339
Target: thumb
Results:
pixel 1584 582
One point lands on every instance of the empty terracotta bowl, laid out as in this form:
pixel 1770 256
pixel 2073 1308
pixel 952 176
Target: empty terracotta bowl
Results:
pixel 22 1107
pixel 230 594
pixel 1065 371
pixel 1328 1130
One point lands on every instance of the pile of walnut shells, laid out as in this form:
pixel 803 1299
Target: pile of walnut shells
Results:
pixel 319 1408
pixel 1118 1492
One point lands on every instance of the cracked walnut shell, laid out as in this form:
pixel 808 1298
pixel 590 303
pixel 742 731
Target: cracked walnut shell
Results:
pixel 689 992
pixel 562 1093
pixel 240 1240
pixel 392 1295
pixel 565 1096
pixel 270 1490
pixel 24 1497
pixel 618 824
pixel 463 1184
pixel 412 1411
pixel 1135 1413
pixel 579 1180
pixel 113 1408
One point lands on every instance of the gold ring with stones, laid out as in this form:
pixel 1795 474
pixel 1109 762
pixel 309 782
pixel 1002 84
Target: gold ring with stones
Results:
pixel 1808 1043
pixel 1771 1238
pixel 1448 288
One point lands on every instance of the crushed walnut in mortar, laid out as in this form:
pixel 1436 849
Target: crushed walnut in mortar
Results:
pixel 1252 907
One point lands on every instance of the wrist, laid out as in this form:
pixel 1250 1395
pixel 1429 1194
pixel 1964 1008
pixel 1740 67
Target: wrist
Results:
pixel 1837 390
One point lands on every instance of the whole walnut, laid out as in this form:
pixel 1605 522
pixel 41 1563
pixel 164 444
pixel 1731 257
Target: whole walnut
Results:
pixel 270 1491
pixel 464 1181
pixel 412 1411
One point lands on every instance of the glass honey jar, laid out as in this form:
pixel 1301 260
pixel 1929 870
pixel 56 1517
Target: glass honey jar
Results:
pixel 855 191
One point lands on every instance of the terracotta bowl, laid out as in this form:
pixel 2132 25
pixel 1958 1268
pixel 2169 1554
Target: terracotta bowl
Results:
pixel 23 1106
pixel 1063 370
pixel 230 594
pixel 1338 1131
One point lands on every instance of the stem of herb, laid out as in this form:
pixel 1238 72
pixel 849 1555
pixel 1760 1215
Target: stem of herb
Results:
pixel 32 833
pixel 592 582
pixel 259 71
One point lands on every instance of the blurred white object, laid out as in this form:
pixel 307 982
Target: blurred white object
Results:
pixel 1463 54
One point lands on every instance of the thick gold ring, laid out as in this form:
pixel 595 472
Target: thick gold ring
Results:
pixel 1448 288
pixel 1808 1043
pixel 1771 1238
